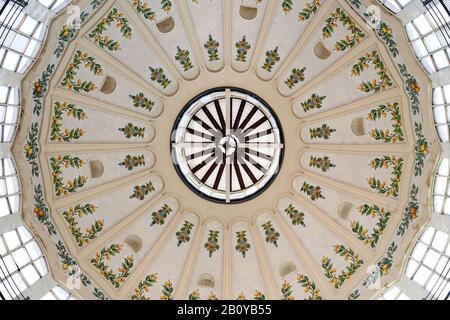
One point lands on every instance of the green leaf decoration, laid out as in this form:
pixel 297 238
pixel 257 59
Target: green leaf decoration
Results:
pixel 71 111
pixel 159 217
pixel 386 162
pixel 140 101
pixel 297 217
pixel 140 192
pixel 212 47
pixel 183 235
pixel 330 271
pixel 242 48
pixel 376 85
pixel 272 57
pixel 116 17
pixel 212 244
pixel 131 131
pixel 132 162
pixel 71 186
pixel 123 272
pixel 242 245
pixel 144 287
pixel 356 34
pixel 88 62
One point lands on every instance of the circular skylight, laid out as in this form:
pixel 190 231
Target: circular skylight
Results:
pixel 227 145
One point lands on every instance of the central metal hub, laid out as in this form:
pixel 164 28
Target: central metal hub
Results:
pixel 227 145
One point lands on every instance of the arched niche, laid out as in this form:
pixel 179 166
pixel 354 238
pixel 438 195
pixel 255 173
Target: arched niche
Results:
pixel 109 85
pixel 134 242
pixel 206 280
pixel 287 268
pixel 321 51
pixel 344 210
pixel 97 168
pixel 247 12
pixel 358 127
pixel 166 25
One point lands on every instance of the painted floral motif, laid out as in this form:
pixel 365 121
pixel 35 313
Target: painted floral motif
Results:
pixel 330 271
pixel 287 6
pixel 386 263
pixel 384 31
pixel 91 232
pixel 212 47
pixel 158 75
pixel 356 34
pixel 96 3
pixel 116 17
pixel 242 245
pixel 123 272
pixel 272 236
pixel 314 192
pixel 144 287
pixel 140 101
pixel 383 187
pixel 140 192
pixel 324 164
pixel 297 76
pixel 412 87
pixel 144 9
pixel 286 291
pixel 55 127
pixel 242 48
pixel 356 3
pixel 297 217
pixel 310 9
pixel 166 5
pixel 167 291
pixel 159 217
pixel 309 286
pixel 131 162
pixel 381 112
pixel 71 186
pixel 69 265
pixel 375 85
pixel 383 267
pixel 241 297
pixel 362 233
pixel 40 89
pixel 272 57
pixel 212 245
pixel 411 212
pixel 31 149
pixel 183 56
pixel 130 131
pixel 88 62
pixel 67 33
pixel 183 235
pixel 195 295
pixel 41 210
pixel 212 296
pixel 324 132
pixel 99 294
pixel 259 296
pixel 421 148
pixel 313 103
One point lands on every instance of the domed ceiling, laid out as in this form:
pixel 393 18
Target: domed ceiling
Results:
pixel 214 149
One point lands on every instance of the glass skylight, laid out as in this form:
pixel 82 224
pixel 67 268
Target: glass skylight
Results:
pixel 429 264
pixel 427 40
pixel 21 263
pixel 395 5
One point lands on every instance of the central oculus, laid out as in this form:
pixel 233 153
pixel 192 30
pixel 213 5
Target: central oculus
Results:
pixel 227 145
